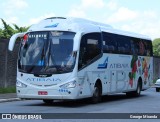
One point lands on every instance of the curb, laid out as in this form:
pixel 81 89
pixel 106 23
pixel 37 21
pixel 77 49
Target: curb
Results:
pixel 9 100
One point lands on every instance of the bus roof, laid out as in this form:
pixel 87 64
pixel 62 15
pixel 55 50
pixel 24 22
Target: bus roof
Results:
pixel 79 25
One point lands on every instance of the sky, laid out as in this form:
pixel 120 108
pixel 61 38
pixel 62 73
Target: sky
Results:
pixel 139 16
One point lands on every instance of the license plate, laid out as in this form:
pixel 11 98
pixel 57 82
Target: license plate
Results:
pixel 42 93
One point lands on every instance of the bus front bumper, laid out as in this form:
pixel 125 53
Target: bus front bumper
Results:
pixel 46 94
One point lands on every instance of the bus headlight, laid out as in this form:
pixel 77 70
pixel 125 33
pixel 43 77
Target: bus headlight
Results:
pixel 71 84
pixel 20 84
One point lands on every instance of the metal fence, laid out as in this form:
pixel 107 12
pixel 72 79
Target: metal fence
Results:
pixel 8 64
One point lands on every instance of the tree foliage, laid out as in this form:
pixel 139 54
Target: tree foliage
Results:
pixel 7 31
pixel 20 29
pixel 156 47
pixel 1 33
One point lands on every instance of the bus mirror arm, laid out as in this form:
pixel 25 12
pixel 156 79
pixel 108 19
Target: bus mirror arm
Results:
pixel 13 40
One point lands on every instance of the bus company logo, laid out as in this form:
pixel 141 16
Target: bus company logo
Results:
pixel 43 79
pixel 52 26
pixel 104 65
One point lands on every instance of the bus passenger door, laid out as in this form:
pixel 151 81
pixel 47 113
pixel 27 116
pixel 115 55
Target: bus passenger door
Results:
pixel 112 82
pixel 120 80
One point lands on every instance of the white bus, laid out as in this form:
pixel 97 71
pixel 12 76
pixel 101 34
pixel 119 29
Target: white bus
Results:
pixel 72 58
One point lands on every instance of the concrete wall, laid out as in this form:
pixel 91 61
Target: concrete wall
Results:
pixel 8 64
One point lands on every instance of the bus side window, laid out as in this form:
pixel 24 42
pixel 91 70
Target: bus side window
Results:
pixel 142 47
pixel 148 47
pixel 135 50
pixel 82 53
pixel 109 43
pixel 124 45
pixel 90 48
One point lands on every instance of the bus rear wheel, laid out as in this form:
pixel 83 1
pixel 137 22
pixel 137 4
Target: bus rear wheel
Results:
pixel 97 94
pixel 48 101
pixel 135 93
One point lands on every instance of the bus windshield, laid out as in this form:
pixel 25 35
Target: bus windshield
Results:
pixel 47 52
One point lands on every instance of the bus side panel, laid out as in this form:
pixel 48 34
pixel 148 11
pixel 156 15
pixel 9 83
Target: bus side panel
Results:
pixel 146 70
pixel 84 78
pixel 116 77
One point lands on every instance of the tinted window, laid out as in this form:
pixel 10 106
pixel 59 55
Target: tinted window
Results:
pixel 114 43
pixel 120 44
pixel 135 49
pixel 90 48
pixel 48 52
pixel 141 47
pixel 109 43
pixel 124 46
pixel 148 47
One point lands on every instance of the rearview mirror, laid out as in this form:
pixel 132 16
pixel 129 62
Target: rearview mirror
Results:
pixel 13 40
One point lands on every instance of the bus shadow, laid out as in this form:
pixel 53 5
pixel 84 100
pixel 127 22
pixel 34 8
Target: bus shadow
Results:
pixel 86 102
pixel 119 97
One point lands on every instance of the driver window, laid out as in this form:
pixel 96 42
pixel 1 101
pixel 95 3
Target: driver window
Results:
pixel 90 48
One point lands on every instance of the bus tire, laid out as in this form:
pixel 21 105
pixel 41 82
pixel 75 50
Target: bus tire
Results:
pixel 157 89
pixel 137 93
pixel 48 101
pixel 97 94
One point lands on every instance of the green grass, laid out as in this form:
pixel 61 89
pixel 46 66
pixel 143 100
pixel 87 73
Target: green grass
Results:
pixel 7 90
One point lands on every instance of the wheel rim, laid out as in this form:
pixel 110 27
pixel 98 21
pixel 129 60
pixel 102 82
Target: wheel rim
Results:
pixel 96 95
pixel 96 92
pixel 139 89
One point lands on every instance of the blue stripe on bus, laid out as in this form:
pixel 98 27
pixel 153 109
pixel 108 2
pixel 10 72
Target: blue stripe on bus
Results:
pixel 104 65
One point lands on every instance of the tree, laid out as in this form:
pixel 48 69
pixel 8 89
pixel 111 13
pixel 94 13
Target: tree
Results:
pixel 156 47
pixel 1 33
pixel 8 31
pixel 20 29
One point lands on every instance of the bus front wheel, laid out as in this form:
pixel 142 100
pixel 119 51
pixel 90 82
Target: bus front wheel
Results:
pixel 97 93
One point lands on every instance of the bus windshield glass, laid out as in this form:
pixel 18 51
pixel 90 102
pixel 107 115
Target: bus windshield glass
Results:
pixel 47 52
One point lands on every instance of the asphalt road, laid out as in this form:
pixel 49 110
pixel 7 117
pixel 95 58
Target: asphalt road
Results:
pixel 148 102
